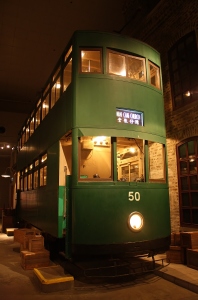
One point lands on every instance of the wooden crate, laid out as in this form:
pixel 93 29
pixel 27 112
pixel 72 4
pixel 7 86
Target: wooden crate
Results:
pixel 175 239
pixel 176 255
pixel 21 234
pixel 189 239
pixel 192 258
pixel 36 243
pixel 31 260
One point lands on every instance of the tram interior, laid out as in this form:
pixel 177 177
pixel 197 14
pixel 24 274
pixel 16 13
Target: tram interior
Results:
pixel 95 158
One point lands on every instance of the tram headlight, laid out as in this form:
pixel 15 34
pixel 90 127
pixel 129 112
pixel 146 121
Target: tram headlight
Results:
pixel 135 221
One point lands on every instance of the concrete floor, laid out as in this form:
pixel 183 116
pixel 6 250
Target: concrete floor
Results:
pixel 17 283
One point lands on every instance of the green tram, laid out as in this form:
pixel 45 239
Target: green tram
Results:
pixel 91 165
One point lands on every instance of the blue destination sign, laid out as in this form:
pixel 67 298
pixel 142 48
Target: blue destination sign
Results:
pixel 127 116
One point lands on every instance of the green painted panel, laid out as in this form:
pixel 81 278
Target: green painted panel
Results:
pixel 91 108
pixel 100 215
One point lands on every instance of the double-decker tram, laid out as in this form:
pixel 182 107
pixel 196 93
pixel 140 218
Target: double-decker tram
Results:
pixel 91 165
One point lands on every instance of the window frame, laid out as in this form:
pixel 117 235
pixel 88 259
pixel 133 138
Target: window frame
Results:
pixel 179 87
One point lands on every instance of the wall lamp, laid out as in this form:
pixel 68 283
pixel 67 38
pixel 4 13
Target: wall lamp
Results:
pixel 9 172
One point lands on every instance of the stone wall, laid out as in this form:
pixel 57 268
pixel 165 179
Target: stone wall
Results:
pixel 162 28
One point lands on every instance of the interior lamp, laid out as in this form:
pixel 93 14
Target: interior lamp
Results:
pixel 8 173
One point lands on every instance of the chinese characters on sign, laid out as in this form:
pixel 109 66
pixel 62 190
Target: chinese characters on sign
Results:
pixel 129 116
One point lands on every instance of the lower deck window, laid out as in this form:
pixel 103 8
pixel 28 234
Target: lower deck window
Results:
pixel 95 158
pixel 100 157
pixel 130 159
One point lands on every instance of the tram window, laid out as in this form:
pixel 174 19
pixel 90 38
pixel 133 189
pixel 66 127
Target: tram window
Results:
pixel 136 68
pixel 55 93
pixel 35 179
pixel 67 73
pixel 90 61
pixel 27 135
pixel 68 53
pixel 154 75
pixel 95 158
pixel 38 117
pixel 45 106
pixel 117 64
pixel 25 183
pixel 30 181
pixel 43 176
pixel 130 159
pixel 156 161
pixel 32 126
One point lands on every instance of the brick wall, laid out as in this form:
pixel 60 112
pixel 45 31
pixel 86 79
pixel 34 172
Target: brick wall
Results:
pixel 161 28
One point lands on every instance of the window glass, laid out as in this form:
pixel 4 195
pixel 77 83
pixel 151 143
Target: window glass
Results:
pixel 117 64
pixel 130 159
pixel 30 181
pixel 55 93
pixel 136 68
pixel 67 73
pixel 68 53
pixel 44 158
pixel 183 61
pixel 45 106
pixel 154 75
pixel 187 156
pixel 91 61
pixel 35 179
pixel 43 176
pixel 38 117
pixel 95 158
pixel 156 161
pixel 32 126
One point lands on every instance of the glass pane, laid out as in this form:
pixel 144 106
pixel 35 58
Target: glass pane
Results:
pixel 31 126
pixel 194 198
pixel 136 68
pixel 67 73
pixel 38 117
pixel 91 61
pixel 45 175
pixel 184 183
pixel 154 75
pixel 191 148
pixel 45 106
pixel 193 166
pixel 186 216
pixel 195 216
pixel 185 199
pixel 55 93
pixel 95 157
pixel 41 176
pixel 156 161
pixel 182 151
pixel 193 183
pixel 117 64
pixel 35 179
pixel 183 168
pixel 29 181
pixel 130 159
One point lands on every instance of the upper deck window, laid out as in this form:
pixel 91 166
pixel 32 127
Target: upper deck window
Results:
pixel 117 64
pixel 126 65
pixel 90 60
pixel 154 75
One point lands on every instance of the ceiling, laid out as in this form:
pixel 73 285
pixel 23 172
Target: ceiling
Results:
pixel 33 35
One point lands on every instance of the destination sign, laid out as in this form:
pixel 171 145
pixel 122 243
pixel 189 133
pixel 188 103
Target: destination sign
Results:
pixel 127 116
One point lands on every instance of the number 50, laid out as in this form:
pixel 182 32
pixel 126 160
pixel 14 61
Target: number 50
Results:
pixel 134 196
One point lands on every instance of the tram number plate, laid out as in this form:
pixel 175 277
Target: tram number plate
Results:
pixel 134 196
